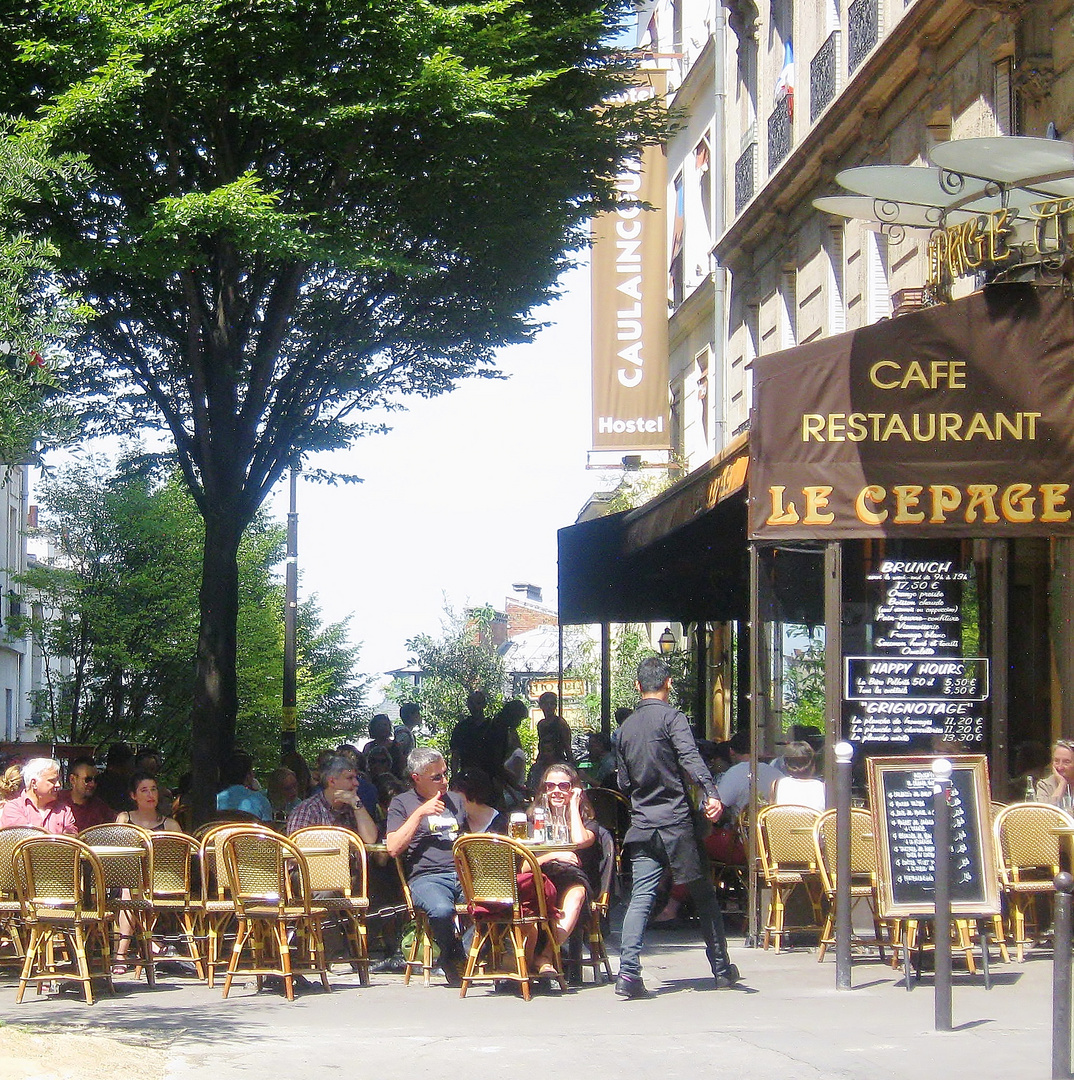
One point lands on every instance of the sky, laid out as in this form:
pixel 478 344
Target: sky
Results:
pixel 462 498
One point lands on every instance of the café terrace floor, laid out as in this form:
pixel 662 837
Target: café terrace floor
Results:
pixel 791 1023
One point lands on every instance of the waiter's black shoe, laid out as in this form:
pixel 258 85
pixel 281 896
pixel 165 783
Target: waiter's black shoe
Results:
pixel 630 986
pixel 728 978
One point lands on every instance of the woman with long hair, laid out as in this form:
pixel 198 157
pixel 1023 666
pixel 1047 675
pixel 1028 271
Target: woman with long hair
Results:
pixel 145 795
pixel 568 817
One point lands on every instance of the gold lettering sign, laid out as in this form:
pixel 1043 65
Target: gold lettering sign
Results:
pixel 912 504
pixel 987 241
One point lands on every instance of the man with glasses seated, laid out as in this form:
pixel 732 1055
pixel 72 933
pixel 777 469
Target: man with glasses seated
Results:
pixel 335 803
pixel 423 824
pixel 86 805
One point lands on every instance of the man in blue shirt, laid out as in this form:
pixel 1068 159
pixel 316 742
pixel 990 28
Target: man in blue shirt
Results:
pixel 241 792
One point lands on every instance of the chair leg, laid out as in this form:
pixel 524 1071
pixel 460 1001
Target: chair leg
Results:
pixel 33 950
pixel 79 945
pixel 481 935
pixel 188 930
pixel 1001 938
pixel 427 954
pixel 826 935
pixel 355 930
pixel 316 938
pixel 965 943
pixel 779 913
pixel 241 934
pixel 521 964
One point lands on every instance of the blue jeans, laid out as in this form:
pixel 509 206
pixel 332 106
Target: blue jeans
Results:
pixel 648 862
pixel 437 895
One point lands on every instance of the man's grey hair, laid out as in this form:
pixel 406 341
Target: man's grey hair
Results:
pixel 423 756
pixel 333 767
pixel 36 767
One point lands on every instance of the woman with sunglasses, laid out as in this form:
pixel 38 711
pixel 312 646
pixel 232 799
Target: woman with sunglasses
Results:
pixel 1058 787
pixel 568 817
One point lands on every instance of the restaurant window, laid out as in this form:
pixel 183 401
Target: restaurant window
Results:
pixel 703 364
pixel 1004 100
pixel 877 297
pixel 676 274
pixel 790 682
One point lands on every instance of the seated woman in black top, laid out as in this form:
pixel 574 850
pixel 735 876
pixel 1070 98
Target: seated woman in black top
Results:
pixel 569 818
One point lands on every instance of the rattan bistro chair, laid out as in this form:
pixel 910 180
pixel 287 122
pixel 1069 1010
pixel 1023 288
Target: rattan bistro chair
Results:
pixel 423 934
pixel 11 929
pixel 174 854
pixel 595 912
pixel 61 888
pixel 128 880
pixel 1028 855
pixel 270 885
pixel 789 862
pixel 862 872
pixel 338 878
pixel 216 908
pixel 488 868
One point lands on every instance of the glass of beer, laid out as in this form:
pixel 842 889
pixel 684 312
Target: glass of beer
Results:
pixel 520 826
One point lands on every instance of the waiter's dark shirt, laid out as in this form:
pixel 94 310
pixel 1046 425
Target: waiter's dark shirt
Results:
pixel 654 749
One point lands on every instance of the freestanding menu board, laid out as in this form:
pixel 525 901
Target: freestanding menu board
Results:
pixel 900 790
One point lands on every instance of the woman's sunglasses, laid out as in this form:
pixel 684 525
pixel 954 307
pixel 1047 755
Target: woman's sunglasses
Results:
pixel 560 785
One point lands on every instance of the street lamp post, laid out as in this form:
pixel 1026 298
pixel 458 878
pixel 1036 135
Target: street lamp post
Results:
pixel 289 712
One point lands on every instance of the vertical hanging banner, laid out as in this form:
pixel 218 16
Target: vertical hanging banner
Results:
pixel 630 303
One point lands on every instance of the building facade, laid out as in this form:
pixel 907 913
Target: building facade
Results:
pixel 19 667
pixel 773 101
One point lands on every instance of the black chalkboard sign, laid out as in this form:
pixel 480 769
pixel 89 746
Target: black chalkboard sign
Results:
pixel 900 790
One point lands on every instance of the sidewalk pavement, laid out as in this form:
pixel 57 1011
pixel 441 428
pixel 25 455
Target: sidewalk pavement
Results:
pixel 790 1022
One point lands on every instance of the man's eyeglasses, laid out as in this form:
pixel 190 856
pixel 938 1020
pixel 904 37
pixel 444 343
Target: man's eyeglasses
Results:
pixel 88 779
pixel 437 777
pixel 558 785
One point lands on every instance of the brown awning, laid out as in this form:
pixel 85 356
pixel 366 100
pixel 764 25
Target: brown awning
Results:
pixel 686 501
pixel 953 421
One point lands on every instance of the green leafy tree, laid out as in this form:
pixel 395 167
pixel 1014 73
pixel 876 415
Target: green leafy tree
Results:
pixel 630 645
pixel 460 660
pixel 303 210
pixel 332 695
pixel 115 614
pixel 35 316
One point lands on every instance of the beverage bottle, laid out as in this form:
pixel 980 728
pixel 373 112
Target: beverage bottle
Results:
pixel 539 825
pixel 1031 791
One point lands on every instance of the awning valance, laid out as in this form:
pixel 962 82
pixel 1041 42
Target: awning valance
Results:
pixel 680 557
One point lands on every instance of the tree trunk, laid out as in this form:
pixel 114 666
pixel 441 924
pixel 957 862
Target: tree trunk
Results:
pixel 215 690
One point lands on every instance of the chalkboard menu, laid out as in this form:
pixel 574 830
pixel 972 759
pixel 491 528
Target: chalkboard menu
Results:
pixel 900 790
pixel 914 683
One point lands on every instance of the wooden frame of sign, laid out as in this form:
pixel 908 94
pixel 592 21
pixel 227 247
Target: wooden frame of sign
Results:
pixel 900 795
